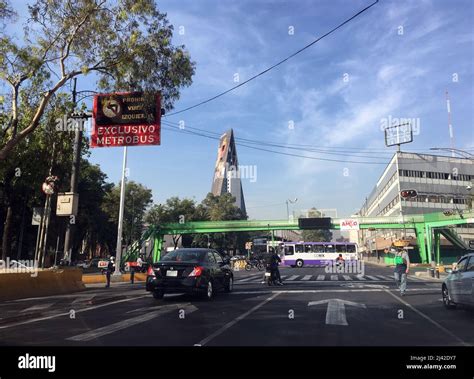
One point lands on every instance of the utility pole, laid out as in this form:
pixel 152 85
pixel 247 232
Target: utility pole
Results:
pixel 76 161
pixel 118 254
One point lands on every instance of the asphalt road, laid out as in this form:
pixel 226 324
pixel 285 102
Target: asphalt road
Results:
pixel 313 308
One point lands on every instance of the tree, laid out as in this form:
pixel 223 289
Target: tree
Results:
pixel 125 44
pixel 22 174
pixel 219 208
pixel 137 200
pixel 173 210
pixel 316 235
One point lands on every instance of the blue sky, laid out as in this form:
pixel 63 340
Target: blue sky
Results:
pixel 396 60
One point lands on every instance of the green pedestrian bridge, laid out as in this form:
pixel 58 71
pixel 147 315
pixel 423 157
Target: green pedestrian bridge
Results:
pixel 427 227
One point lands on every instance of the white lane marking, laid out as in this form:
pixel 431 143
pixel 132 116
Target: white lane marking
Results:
pixel 83 299
pixel 283 276
pixel 112 328
pixel 361 277
pixel 236 320
pixel 307 277
pixel 336 311
pixel 67 313
pixel 292 277
pixel 321 277
pixel 37 307
pixel 346 277
pixel 414 278
pixel 372 277
pixel 334 277
pixel 383 277
pixel 247 279
pixel 330 290
pixel 429 319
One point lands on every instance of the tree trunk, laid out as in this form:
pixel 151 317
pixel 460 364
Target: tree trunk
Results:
pixel 6 233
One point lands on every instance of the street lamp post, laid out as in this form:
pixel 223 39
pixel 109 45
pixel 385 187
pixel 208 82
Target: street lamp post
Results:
pixel 287 206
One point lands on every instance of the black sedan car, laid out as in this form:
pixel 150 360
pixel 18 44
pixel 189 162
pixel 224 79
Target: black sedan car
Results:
pixel 192 271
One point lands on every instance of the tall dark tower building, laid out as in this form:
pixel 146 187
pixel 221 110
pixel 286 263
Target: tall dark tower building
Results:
pixel 226 172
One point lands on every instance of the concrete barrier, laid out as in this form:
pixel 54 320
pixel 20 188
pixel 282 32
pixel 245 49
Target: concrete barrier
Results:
pixel 99 278
pixel 44 283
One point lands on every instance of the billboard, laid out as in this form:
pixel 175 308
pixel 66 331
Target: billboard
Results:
pixel 399 134
pixel 349 224
pixel 126 119
pixel 314 223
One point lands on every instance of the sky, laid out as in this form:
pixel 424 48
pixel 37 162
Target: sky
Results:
pixel 396 60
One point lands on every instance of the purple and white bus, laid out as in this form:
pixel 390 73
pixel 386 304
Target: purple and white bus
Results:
pixel 299 254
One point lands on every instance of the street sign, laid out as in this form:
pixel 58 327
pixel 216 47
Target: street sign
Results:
pixel 471 244
pixel 398 134
pixel 36 219
pixel 126 119
pixel 349 224
pixel 67 204
pixel 314 223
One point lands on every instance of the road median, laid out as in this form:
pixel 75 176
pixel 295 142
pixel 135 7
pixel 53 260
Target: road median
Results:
pixel 42 283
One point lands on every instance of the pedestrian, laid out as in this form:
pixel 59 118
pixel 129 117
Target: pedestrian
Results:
pixel 109 270
pixel 402 267
pixel 137 266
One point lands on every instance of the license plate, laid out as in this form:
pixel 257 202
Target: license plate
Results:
pixel 172 273
pixel 267 274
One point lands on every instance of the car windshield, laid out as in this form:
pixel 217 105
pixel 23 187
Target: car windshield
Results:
pixel 194 256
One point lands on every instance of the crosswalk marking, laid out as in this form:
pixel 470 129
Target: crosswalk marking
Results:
pixel 333 277
pixel 38 307
pixel 372 277
pixel 384 277
pixel 249 278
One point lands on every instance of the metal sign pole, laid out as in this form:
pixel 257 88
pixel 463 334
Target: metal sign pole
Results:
pixel 118 255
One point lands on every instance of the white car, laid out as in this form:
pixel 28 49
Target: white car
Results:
pixel 458 287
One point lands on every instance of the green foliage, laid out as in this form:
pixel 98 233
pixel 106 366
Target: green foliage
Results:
pixel 127 44
pixel 212 208
pixel 137 200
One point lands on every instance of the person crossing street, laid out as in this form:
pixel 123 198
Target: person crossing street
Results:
pixel 402 267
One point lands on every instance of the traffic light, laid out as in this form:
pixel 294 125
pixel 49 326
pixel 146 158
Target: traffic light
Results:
pixel 408 194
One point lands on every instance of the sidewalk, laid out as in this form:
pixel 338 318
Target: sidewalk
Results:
pixel 420 271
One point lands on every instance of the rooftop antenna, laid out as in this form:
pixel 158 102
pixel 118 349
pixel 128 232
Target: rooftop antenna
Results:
pixel 450 126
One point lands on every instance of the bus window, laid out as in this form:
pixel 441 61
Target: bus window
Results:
pixel 299 248
pixel 289 250
pixel 330 249
pixel 318 248
pixel 340 248
pixel 307 248
pixel 351 248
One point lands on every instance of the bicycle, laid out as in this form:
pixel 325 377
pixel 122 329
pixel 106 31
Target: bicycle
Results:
pixel 257 263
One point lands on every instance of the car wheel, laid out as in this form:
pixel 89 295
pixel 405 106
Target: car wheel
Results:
pixel 157 294
pixel 230 285
pixel 299 263
pixel 446 299
pixel 209 291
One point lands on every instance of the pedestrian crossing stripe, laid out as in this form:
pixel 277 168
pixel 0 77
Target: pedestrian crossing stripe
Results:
pixel 307 278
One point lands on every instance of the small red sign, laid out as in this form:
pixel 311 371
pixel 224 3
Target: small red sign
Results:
pixel 126 119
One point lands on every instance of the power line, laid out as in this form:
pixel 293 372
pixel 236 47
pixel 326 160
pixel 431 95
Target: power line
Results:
pixel 276 64
pixel 176 129
pixel 311 147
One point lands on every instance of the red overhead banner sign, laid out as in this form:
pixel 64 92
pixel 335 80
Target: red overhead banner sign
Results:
pixel 126 119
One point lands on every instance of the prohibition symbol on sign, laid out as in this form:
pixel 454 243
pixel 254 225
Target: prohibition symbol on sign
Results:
pixel 111 108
